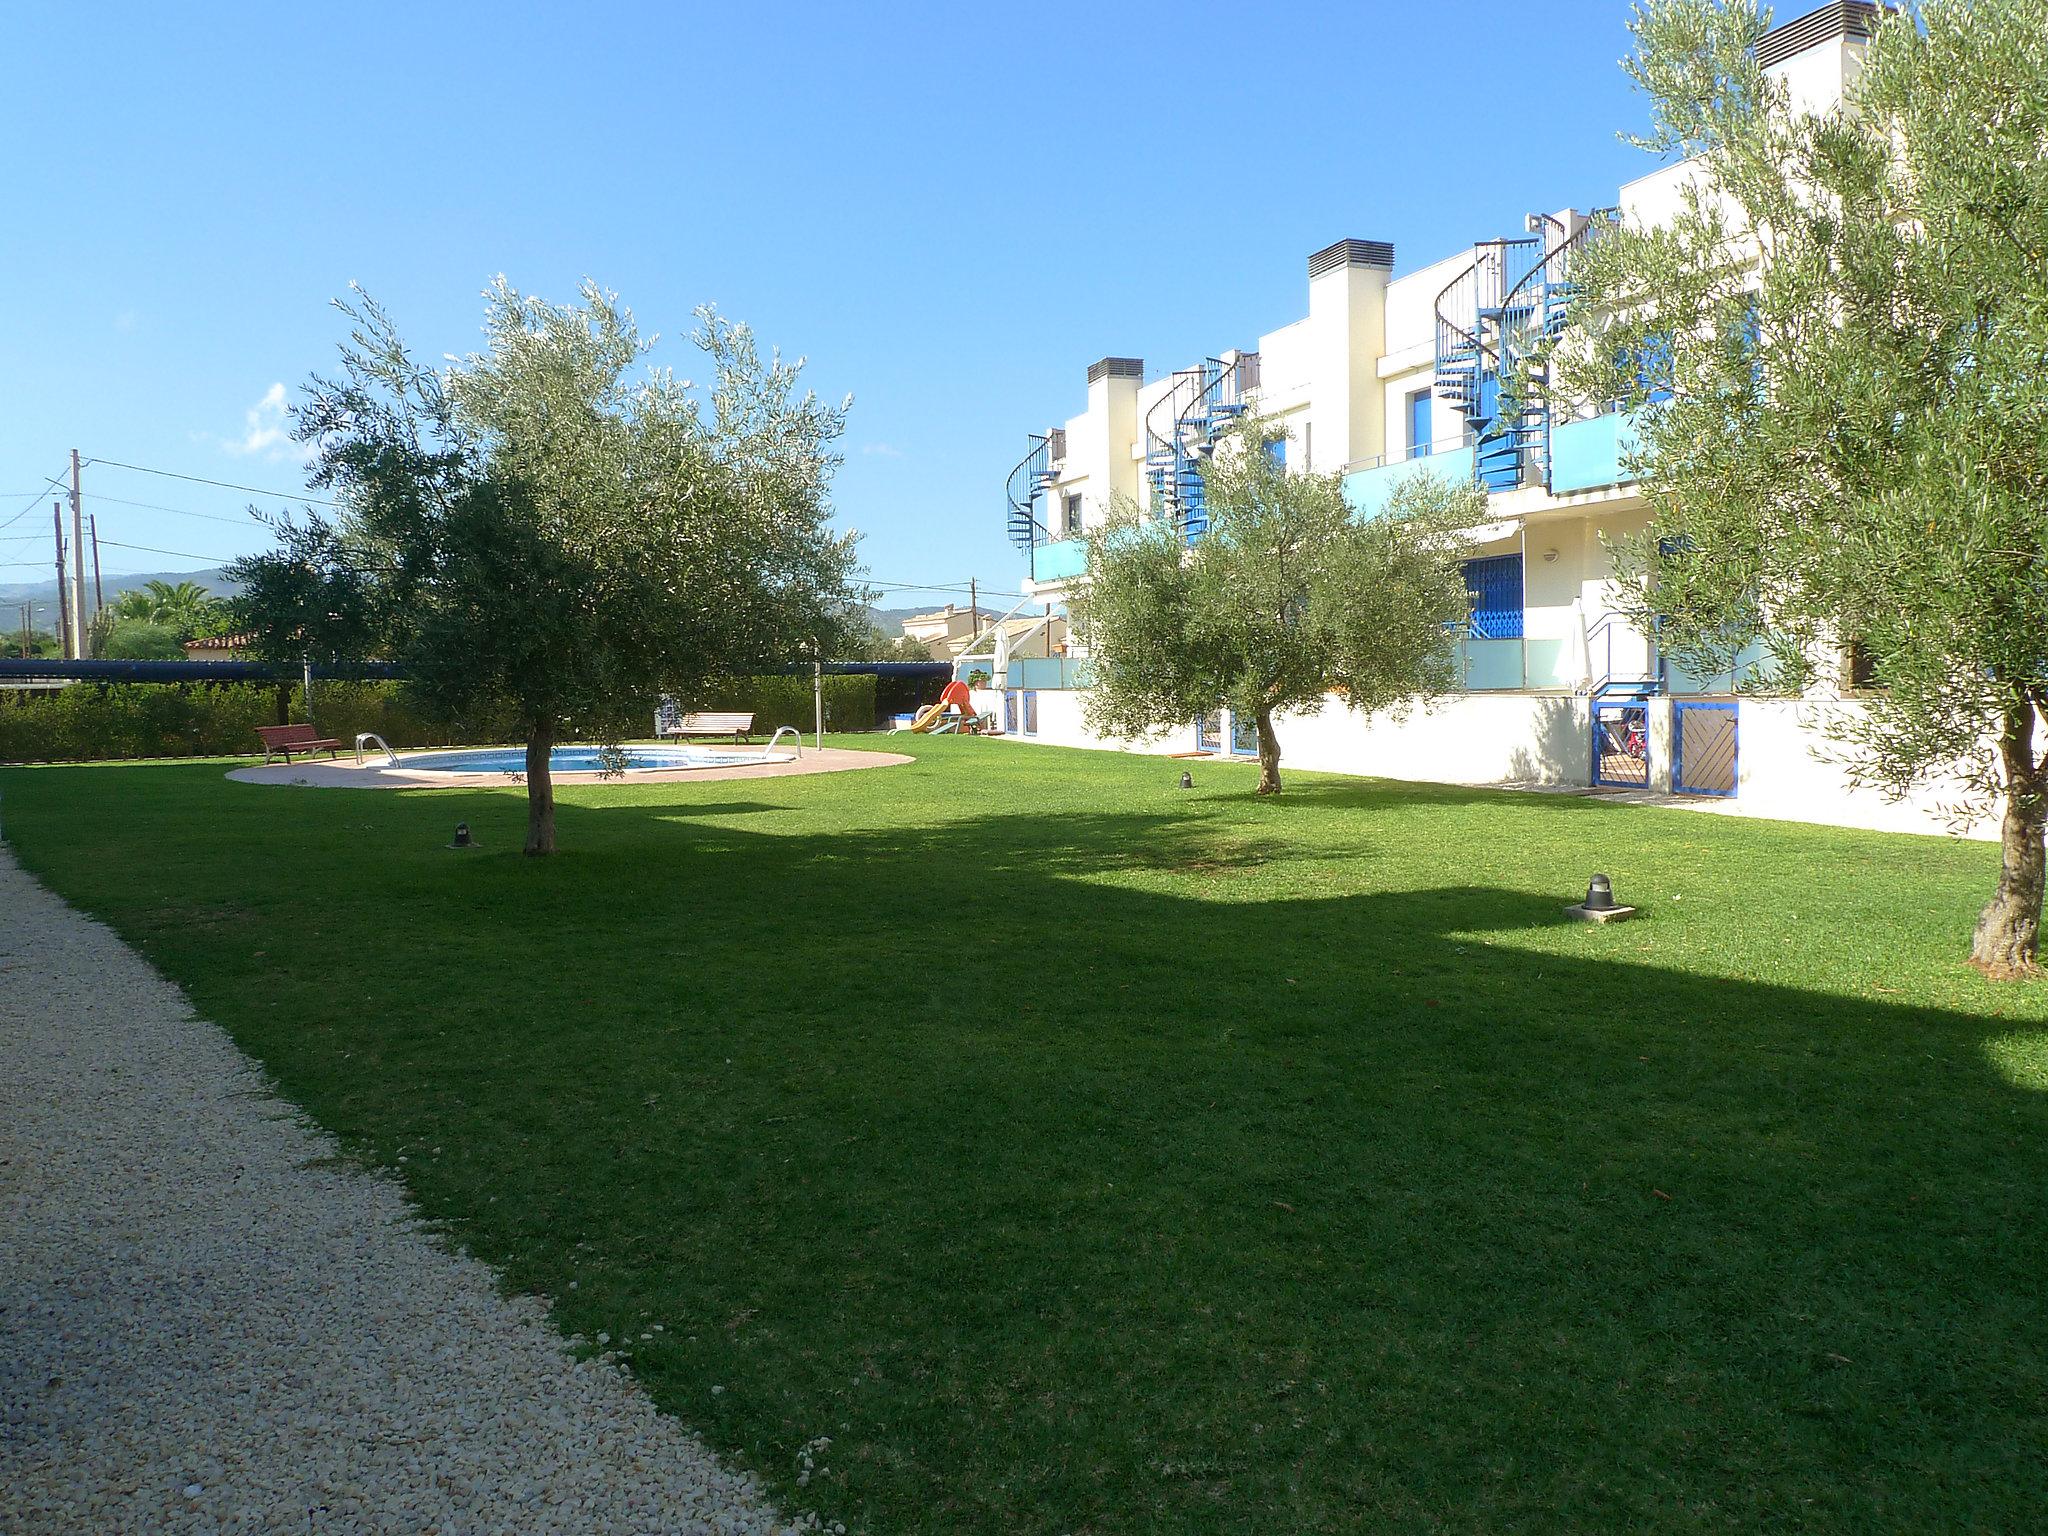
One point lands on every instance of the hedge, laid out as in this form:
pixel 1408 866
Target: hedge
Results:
pixel 89 722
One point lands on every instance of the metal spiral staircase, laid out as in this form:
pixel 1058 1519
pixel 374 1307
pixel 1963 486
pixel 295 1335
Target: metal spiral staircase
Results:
pixel 1181 431
pixel 1025 488
pixel 1491 319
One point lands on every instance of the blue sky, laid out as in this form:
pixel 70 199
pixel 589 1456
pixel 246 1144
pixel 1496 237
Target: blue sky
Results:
pixel 950 210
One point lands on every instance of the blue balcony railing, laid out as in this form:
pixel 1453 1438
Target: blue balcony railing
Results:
pixel 1591 454
pixel 1368 489
pixel 1058 561
pixel 1049 672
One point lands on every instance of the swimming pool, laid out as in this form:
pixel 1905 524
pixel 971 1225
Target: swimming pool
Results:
pixel 638 759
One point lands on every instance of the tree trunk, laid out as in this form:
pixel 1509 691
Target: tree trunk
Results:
pixel 540 790
pixel 1269 754
pixel 2008 938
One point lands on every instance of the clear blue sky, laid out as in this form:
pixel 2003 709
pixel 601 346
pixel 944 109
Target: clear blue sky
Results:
pixel 950 210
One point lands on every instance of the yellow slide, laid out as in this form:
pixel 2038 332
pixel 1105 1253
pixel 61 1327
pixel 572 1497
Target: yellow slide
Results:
pixel 929 716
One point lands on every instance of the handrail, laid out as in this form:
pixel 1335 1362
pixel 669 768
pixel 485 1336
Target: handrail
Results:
pixel 390 757
pixel 1605 627
pixel 1022 518
pixel 1489 254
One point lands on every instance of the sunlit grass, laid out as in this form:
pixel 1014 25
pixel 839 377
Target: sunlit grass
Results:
pixel 1080 1153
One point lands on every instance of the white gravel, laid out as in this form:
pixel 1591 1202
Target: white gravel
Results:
pixel 208 1324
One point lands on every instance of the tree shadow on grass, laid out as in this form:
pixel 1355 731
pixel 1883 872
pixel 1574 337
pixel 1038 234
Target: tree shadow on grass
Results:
pixel 1198 1167
pixel 1092 1160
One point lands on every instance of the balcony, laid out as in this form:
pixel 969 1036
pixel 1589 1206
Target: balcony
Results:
pixel 1591 454
pixel 1049 672
pixel 1059 561
pixel 1369 488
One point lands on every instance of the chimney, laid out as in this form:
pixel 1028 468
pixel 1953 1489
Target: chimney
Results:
pixel 1347 315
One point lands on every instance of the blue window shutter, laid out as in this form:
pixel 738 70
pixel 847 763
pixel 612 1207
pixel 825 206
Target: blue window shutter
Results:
pixel 1419 424
pixel 1276 452
pixel 1495 585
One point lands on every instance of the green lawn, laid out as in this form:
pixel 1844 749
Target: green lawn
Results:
pixel 1079 1154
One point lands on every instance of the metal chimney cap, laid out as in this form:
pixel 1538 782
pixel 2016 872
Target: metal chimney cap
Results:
pixel 1117 368
pixel 1352 253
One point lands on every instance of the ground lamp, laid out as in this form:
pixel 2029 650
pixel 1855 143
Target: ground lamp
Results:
pixel 1187 781
pixel 1599 905
pixel 462 836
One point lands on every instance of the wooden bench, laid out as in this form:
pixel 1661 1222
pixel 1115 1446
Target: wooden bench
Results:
pixel 738 727
pixel 284 740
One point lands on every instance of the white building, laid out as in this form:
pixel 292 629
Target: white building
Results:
pixel 1391 374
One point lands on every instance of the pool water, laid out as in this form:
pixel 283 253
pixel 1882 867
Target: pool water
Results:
pixel 587 760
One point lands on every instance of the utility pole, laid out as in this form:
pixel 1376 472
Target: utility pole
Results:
pixel 63 608
pixel 26 618
pixel 77 562
pixel 99 598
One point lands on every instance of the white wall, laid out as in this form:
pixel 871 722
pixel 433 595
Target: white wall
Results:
pixel 1546 739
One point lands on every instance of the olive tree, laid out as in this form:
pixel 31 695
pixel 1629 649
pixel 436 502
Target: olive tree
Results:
pixel 1839 346
pixel 1289 597
pixel 550 528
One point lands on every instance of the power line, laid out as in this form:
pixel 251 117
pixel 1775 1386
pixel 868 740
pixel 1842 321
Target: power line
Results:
pixel 226 485
pixel 923 586
pixel 243 521
pixel 50 483
pixel 182 554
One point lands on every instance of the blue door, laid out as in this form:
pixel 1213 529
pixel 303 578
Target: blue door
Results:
pixel 1419 425
pixel 1010 712
pixel 1495 586
pixel 1209 732
pixel 1244 736
pixel 1703 748
pixel 1621 744
pixel 1031 712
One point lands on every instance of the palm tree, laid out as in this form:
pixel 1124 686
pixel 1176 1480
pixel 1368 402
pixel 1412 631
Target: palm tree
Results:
pixel 181 606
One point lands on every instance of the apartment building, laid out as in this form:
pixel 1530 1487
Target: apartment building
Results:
pixel 1395 373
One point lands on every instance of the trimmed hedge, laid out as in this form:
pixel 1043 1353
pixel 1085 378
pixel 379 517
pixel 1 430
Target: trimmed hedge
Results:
pixel 780 701
pixel 85 722
pixel 89 722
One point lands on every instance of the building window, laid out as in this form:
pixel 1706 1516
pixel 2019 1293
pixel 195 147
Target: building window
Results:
pixel 1070 512
pixel 1244 736
pixel 1031 712
pixel 1495 588
pixel 1276 452
pixel 1418 424
pixel 1859 668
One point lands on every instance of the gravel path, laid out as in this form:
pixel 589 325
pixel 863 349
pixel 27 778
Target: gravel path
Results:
pixel 209 1324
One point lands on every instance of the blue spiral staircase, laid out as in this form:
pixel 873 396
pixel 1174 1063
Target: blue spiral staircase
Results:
pixel 1181 431
pixel 1490 320
pixel 1026 487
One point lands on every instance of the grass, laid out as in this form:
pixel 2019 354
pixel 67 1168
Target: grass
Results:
pixel 1081 1154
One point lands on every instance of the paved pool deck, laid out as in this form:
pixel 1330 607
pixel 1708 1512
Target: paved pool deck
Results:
pixel 345 773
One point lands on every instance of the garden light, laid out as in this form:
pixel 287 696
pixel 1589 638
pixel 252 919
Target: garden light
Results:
pixel 1599 905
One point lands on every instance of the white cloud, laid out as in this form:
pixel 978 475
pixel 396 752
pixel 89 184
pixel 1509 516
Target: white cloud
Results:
pixel 882 450
pixel 267 430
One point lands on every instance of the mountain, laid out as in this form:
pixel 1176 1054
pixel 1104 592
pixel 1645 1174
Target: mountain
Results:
pixel 42 595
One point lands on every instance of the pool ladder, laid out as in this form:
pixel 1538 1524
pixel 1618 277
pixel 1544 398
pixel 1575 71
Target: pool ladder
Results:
pixel 365 738
pixel 780 732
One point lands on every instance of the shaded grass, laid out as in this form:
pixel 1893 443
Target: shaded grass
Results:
pixel 1081 1154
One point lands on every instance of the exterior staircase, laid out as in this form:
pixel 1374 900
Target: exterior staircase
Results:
pixel 1026 487
pixel 1491 319
pixel 1181 431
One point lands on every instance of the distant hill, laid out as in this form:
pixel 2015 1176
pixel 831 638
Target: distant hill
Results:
pixel 42 595
pixel 891 619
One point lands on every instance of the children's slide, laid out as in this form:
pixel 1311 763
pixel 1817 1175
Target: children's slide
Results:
pixel 933 717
